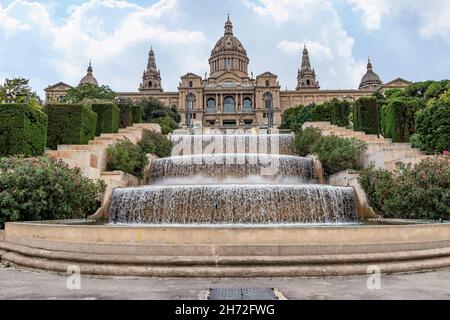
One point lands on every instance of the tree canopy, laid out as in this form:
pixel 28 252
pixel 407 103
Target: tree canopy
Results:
pixel 18 90
pixel 89 91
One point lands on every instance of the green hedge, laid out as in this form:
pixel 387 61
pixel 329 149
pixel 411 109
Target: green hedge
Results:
pixel 70 124
pixel 126 114
pixel 294 118
pixel 366 115
pixel 23 130
pixel 397 119
pixel 137 114
pixel 433 126
pixel 107 117
pixel 340 113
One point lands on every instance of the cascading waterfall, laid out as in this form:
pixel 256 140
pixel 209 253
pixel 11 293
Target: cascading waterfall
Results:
pixel 233 143
pixel 233 179
pixel 227 168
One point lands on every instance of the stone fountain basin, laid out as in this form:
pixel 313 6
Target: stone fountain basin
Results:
pixel 226 251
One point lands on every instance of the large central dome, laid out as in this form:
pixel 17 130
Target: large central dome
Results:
pixel 228 55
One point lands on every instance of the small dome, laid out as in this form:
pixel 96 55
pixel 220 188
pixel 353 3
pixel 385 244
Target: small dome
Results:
pixel 370 79
pixel 89 77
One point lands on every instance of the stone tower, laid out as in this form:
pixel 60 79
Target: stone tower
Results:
pixel 151 79
pixel 306 78
pixel 89 77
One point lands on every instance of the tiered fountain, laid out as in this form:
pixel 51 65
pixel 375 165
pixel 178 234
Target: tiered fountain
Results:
pixel 264 187
pixel 229 206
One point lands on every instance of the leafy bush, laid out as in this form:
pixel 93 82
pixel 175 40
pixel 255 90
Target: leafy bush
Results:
pixel 294 118
pixel 397 119
pixel 154 110
pixel 167 124
pixel 338 154
pixel 137 114
pixel 126 113
pixel 70 124
pixel 107 117
pixel 305 140
pixel 127 157
pixel 433 126
pixel 366 115
pixel 23 130
pixel 90 92
pixel 340 112
pixel 45 189
pixel 155 143
pixel 412 192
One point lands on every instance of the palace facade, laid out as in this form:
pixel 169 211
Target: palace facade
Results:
pixel 229 97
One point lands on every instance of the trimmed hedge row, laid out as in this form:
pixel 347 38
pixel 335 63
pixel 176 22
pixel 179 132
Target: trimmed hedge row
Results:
pixel 137 114
pixel 340 113
pixel 366 115
pixel 397 119
pixel 23 130
pixel 126 114
pixel 107 117
pixel 70 124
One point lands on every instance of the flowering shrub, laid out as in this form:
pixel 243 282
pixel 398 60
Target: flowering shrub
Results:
pixel 421 191
pixel 45 189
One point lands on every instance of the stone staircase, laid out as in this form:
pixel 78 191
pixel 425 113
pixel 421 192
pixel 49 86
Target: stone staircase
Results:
pixel 380 151
pixel 91 158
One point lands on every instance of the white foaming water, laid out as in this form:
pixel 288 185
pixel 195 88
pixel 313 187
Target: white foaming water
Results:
pixel 235 203
pixel 233 180
pixel 226 168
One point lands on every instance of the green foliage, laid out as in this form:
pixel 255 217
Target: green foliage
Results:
pixel 18 90
pixel 155 143
pixel 89 92
pixel 433 125
pixel 127 157
pixel 366 115
pixel 412 192
pixel 126 113
pixel 45 189
pixel 395 93
pixel 154 110
pixel 70 124
pixel 107 117
pixel 340 112
pixel 305 140
pixel 137 114
pixel 338 154
pixel 397 119
pixel 23 130
pixel 294 118
pixel 167 124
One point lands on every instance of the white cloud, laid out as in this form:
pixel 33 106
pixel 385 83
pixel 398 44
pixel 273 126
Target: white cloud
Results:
pixel 372 11
pixel 331 48
pixel 434 18
pixel 106 31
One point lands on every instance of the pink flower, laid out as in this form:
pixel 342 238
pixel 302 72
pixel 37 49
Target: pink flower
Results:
pixel 446 152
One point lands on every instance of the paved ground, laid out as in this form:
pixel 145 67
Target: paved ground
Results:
pixel 15 284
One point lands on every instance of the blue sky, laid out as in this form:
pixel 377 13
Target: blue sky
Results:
pixel 51 41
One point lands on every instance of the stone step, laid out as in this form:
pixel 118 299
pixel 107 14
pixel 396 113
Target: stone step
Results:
pixel 102 142
pixel 82 158
pixel 384 156
pixel 392 165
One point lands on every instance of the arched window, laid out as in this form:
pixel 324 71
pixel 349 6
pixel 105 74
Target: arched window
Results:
pixel 190 101
pixel 211 105
pixel 267 83
pixel 150 84
pixel 228 104
pixel 308 82
pixel 191 84
pixel 247 104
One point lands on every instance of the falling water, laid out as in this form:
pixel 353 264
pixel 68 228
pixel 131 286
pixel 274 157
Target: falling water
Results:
pixel 224 167
pixel 233 204
pixel 233 143
pixel 233 179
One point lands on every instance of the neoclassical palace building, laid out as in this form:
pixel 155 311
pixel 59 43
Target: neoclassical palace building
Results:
pixel 229 97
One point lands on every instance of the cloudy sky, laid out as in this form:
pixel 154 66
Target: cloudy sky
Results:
pixel 51 41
